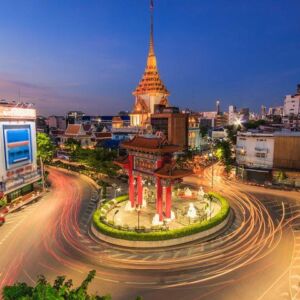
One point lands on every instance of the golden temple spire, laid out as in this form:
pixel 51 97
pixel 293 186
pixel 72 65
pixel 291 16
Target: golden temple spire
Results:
pixel 151 82
pixel 151 48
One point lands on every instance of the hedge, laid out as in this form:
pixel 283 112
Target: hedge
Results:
pixel 162 235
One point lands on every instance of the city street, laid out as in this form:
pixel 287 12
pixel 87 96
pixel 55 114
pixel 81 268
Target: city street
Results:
pixel 256 258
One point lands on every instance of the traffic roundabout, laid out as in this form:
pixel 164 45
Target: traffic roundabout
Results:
pixel 202 218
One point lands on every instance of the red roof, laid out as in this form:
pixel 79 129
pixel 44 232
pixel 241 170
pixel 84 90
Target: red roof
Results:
pixel 75 130
pixel 172 172
pixel 102 135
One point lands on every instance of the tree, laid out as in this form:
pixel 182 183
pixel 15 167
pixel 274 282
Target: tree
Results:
pixel 280 176
pixel 60 290
pixel 45 147
pixel 224 154
pixel 255 124
pixel 99 160
pixel 72 144
pixel 232 132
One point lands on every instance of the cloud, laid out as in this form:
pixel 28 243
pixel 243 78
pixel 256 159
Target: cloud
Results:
pixel 48 99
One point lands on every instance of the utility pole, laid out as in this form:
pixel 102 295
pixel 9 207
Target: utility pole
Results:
pixel 42 171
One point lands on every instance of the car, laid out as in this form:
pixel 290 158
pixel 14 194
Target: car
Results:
pixel 2 219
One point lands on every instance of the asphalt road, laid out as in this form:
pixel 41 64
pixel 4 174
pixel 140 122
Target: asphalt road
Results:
pixel 257 258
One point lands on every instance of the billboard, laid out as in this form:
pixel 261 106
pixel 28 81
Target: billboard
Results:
pixel 17 143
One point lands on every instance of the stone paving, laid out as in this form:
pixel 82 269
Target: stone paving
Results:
pixel 144 218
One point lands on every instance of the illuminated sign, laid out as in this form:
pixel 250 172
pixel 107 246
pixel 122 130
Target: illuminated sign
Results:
pixel 17 143
pixel 17 113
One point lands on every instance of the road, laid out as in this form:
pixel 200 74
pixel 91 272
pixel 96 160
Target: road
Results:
pixel 257 258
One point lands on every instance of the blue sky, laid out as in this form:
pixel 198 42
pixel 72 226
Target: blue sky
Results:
pixel 89 55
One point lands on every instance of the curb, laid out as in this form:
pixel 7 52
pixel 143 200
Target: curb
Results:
pixel 200 236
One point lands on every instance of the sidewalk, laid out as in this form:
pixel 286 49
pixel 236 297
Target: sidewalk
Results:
pixel 21 201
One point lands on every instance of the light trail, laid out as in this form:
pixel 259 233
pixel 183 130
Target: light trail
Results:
pixel 65 246
pixel 256 235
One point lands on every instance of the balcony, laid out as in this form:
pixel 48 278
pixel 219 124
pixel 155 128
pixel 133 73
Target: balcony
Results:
pixel 261 150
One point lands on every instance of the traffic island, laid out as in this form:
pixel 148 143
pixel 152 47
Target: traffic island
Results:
pixel 193 219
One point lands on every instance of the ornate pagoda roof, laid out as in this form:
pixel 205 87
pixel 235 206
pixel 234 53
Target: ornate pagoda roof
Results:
pixel 151 82
pixel 171 171
pixel 153 145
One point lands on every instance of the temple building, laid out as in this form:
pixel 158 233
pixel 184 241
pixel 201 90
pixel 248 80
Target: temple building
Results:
pixel 150 91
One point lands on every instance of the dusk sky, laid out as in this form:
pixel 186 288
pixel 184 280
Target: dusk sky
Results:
pixel 90 55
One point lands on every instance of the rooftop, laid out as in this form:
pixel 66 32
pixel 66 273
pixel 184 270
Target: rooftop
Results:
pixel 153 144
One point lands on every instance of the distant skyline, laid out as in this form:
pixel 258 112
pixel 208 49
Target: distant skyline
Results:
pixel 90 55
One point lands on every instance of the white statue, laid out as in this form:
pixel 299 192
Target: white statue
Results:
pixel 201 193
pixel 156 221
pixel 128 206
pixel 144 203
pixel 192 213
pixel 188 192
pixel 171 218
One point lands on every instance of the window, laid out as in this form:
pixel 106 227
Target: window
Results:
pixel 260 155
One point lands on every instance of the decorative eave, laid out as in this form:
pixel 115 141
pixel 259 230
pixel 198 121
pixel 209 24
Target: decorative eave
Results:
pixel 149 145
pixel 169 171
pixel 122 162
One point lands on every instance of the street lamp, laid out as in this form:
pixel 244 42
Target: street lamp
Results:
pixel 212 170
pixel 115 215
pixel 117 190
pixel 210 197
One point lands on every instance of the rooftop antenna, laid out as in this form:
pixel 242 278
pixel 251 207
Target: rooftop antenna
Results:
pixel 151 27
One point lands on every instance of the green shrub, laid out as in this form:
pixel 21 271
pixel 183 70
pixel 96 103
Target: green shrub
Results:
pixel 164 234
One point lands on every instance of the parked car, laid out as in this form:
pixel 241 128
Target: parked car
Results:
pixel 2 219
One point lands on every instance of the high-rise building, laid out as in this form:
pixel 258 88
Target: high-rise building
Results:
pixel 172 124
pixel 74 117
pixel 237 117
pixel 57 122
pixel 150 91
pixel 291 105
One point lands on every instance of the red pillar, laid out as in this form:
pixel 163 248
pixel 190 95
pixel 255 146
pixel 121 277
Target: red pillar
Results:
pixel 131 181
pixel 159 190
pixel 168 201
pixel 140 190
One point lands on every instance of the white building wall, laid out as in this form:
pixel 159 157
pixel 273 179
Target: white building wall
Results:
pixel 255 150
pixel 291 105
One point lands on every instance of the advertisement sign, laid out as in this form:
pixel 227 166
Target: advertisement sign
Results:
pixel 17 142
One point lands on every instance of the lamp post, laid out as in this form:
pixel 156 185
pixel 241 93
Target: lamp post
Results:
pixel 42 173
pixel 212 170
pixel 210 196
pixel 115 215
pixel 117 190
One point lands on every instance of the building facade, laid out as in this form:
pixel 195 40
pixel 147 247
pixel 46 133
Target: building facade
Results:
pixel 292 104
pixel 255 150
pixel 18 166
pixel 260 153
pixel 194 135
pixel 173 125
